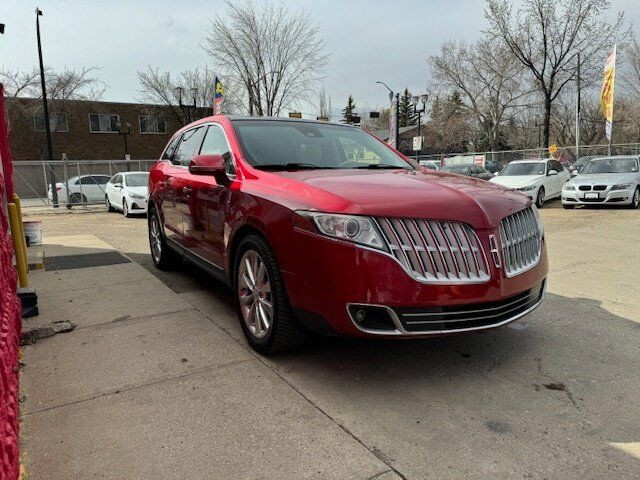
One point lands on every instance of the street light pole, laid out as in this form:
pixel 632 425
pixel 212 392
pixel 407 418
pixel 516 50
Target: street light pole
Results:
pixel 47 126
pixel 415 100
pixel 194 94
pixel 178 92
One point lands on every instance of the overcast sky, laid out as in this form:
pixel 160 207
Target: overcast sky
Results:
pixel 368 40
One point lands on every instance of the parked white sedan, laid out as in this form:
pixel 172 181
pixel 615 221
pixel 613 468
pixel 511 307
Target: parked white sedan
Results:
pixel 609 180
pixel 538 179
pixel 82 189
pixel 129 192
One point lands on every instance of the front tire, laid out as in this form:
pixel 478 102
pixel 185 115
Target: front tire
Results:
pixel 540 197
pixel 125 208
pixel 164 258
pixel 263 306
pixel 635 201
pixel 108 203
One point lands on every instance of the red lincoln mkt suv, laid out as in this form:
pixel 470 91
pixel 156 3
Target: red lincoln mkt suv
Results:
pixel 323 228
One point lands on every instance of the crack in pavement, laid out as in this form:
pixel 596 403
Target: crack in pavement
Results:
pixel 137 387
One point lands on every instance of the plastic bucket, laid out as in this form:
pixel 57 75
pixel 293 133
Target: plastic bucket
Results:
pixel 33 232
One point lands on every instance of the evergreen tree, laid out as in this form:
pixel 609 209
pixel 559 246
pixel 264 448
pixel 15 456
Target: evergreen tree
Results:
pixel 349 112
pixel 406 115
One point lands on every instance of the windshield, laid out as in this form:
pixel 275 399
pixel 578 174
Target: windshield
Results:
pixel 137 179
pixel 459 169
pixel 611 165
pixel 533 168
pixel 291 145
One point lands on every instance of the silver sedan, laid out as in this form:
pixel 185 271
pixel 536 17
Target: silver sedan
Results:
pixel 606 180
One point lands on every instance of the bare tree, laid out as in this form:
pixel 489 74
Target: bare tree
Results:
pixel 275 54
pixel 190 86
pixel 631 72
pixel 547 36
pixel 489 78
pixel 324 104
pixel 65 85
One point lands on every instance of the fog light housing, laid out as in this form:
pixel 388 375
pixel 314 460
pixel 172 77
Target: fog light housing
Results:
pixel 372 317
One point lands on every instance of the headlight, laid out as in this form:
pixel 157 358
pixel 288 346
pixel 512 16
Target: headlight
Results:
pixel 136 196
pixel 352 228
pixel 538 221
pixel 569 187
pixel 526 189
pixel 622 186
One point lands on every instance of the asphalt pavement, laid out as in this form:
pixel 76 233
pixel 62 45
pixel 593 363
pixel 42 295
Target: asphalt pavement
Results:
pixel 157 381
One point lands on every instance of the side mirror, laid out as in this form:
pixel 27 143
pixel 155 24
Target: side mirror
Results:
pixel 212 165
pixel 574 173
pixel 552 172
pixel 496 174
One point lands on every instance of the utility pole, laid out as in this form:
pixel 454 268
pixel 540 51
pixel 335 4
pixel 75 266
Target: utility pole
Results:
pixel 578 111
pixel 47 126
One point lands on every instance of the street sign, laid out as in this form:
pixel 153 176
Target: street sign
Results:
pixel 295 115
pixel 553 149
pixel 374 114
pixel 417 144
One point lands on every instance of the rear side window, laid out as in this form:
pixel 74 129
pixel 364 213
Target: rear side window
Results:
pixel 171 149
pixel 189 146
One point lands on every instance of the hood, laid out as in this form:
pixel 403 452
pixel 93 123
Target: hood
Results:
pixel 605 178
pixel 139 190
pixel 402 193
pixel 517 181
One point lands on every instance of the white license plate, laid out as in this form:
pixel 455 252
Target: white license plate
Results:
pixel 592 195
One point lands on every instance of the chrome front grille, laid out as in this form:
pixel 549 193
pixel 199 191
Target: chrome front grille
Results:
pixel 521 242
pixel 436 251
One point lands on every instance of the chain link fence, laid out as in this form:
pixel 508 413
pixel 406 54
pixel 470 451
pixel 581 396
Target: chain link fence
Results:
pixel 78 182
pixel 566 154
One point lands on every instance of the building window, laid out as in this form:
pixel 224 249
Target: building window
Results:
pixel 103 123
pixel 152 124
pixel 57 122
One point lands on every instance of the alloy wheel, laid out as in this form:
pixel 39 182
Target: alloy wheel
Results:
pixel 254 294
pixel 125 208
pixel 636 198
pixel 540 199
pixel 154 238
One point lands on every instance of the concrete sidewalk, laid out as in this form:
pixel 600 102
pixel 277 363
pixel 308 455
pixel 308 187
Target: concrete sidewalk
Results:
pixel 148 386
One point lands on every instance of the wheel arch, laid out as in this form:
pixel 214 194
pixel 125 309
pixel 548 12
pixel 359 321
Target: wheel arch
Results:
pixel 248 228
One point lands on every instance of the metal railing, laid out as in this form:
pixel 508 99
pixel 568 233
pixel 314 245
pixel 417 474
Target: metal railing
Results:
pixel 32 179
pixel 506 156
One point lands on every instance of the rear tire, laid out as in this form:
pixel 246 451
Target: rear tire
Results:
pixel 540 197
pixel 164 258
pixel 77 198
pixel 283 331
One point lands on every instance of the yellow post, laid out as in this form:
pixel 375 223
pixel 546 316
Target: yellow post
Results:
pixel 16 200
pixel 16 231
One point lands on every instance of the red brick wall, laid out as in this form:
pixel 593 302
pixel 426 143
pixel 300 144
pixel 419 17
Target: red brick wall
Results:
pixel 79 143
pixel 9 328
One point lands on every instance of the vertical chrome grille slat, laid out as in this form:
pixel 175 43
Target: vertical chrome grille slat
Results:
pixel 436 251
pixel 521 242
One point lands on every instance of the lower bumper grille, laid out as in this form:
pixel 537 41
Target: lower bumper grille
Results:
pixel 468 316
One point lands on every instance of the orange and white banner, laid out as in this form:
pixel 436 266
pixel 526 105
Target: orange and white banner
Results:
pixel 606 95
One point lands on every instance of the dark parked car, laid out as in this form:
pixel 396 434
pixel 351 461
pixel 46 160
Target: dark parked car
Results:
pixel 579 164
pixel 471 170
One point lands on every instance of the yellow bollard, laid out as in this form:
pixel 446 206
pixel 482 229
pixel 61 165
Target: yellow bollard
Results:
pixel 16 200
pixel 21 259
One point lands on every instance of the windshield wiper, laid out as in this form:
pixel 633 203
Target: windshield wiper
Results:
pixel 381 166
pixel 275 167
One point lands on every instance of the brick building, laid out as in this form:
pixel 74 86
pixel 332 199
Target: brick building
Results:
pixel 88 130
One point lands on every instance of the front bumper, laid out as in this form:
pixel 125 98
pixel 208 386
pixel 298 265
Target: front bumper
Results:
pixel 608 196
pixel 138 206
pixel 328 278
